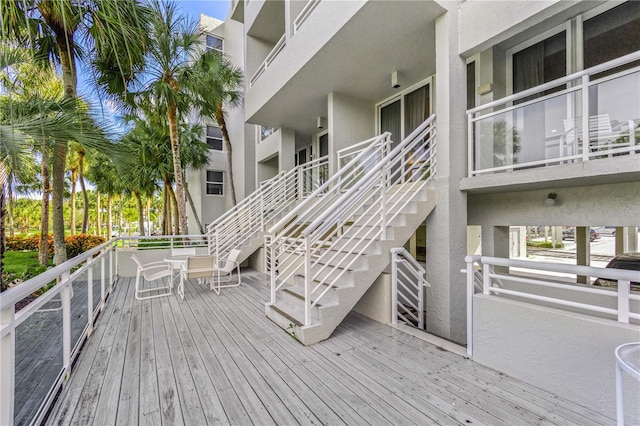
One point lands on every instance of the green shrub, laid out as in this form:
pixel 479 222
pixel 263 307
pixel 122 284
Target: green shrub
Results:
pixel 75 244
pixel 544 244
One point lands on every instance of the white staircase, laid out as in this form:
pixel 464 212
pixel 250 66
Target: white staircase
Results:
pixel 243 226
pixel 325 254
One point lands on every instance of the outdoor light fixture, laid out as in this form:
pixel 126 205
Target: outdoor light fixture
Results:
pixel 321 122
pixel 551 199
pixel 394 80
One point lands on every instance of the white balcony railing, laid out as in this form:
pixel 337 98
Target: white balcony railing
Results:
pixel 55 325
pixel 304 14
pixel 530 282
pixel 408 281
pixel 268 60
pixel 545 125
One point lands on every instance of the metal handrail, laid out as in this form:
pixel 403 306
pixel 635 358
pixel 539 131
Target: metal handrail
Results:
pixel 369 204
pixel 304 14
pixel 401 255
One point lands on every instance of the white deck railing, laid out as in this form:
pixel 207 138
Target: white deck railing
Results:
pixel 525 281
pixel 272 198
pixel 408 280
pixel 277 48
pixel 546 124
pixel 79 284
pixel 304 14
pixel 378 189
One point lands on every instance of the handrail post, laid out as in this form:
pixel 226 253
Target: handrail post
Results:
pixel 623 301
pixel 470 292
pixel 586 142
pixel 383 205
pixel 66 323
pixel 486 279
pixel 102 283
pixel 7 366
pixel 421 282
pixel 307 282
pixel 273 253
pixel 300 184
pixel 89 296
pixel 262 212
pixel 470 146
pixel 394 287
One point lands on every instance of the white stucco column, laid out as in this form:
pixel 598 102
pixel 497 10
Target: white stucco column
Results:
pixel 583 250
pixel 447 224
pixel 350 120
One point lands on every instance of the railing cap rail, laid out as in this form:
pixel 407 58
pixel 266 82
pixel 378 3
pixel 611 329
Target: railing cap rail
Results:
pixel 403 252
pixel 537 89
pixel 293 213
pixel 358 185
pixel 592 271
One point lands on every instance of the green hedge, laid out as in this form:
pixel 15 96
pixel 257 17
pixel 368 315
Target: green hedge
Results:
pixel 75 244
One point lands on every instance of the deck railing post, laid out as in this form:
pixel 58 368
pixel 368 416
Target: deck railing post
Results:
pixel 383 205
pixel 623 301
pixel 102 282
pixel 586 143
pixel 89 296
pixel 470 292
pixel 394 287
pixel 66 322
pixel 7 365
pixel 307 282
pixel 486 279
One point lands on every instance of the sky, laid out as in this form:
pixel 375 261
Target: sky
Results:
pixel 216 8
pixel 193 8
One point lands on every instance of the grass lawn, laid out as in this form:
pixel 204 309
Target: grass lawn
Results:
pixel 22 265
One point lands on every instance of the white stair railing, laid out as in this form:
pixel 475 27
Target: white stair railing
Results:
pixel 408 280
pixel 353 222
pixel 280 253
pixel 273 197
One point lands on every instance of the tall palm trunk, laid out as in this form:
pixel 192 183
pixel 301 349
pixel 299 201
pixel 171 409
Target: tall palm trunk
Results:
pixel 3 179
pixel 140 212
pixel 219 115
pixel 72 202
pixel 177 164
pixel 43 250
pixel 120 214
pixel 69 79
pixel 10 202
pixel 98 216
pixel 85 197
pixel 109 216
pixel 193 209
pixel 174 211
pixel 166 212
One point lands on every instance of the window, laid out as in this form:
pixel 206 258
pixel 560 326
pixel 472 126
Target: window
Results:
pixel 265 132
pixel 215 182
pixel 214 138
pixel 214 43
pixel 540 63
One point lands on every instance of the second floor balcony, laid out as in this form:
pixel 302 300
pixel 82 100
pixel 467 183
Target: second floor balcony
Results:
pixel 589 115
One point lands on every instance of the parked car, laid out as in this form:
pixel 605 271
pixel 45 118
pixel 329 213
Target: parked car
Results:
pixel 607 230
pixel 570 234
pixel 630 261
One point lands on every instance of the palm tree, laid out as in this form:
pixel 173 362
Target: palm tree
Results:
pixel 104 175
pixel 113 32
pixel 174 42
pixel 218 82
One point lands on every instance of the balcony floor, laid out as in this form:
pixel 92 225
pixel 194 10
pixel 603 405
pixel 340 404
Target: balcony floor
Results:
pixel 212 359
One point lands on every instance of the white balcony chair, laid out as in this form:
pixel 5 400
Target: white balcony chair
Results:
pixel 154 271
pixel 224 274
pixel 197 267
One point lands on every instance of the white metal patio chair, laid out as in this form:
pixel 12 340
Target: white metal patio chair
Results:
pixel 201 267
pixel 224 274
pixel 154 271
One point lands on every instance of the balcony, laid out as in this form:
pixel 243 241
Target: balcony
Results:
pixel 587 116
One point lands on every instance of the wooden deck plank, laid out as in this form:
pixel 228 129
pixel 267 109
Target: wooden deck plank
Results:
pixel 149 413
pixel 208 399
pixel 107 403
pixel 362 405
pixel 253 385
pixel 170 408
pixel 219 359
pixel 289 388
pixel 528 396
pixel 128 403
pixel 74 388
pixel 192 412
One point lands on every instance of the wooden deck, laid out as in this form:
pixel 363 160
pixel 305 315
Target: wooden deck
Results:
pixel 213 359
